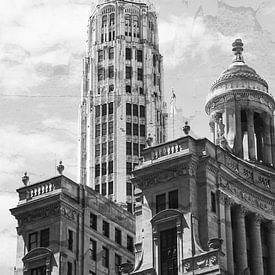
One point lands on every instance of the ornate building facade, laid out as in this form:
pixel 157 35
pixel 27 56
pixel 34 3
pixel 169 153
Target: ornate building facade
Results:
pixel 209 208
pixel 122 96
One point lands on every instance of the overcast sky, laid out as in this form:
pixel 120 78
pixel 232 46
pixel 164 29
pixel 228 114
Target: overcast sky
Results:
pixel 42 43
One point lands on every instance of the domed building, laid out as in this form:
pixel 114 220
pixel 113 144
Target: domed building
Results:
pixel 209 207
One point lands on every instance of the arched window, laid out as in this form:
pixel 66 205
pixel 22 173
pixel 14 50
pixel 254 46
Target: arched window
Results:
pixel 104 21
pixel 112 19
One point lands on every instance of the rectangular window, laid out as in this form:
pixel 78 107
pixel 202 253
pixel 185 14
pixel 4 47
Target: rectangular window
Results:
pixel 70 239
pixel 128 109
pixel 135 129
pixel 110 127
pixel 173 199
pixel 45 238
pixel 160 202
pixel 97 170
pixel 130 243
pixel 135 149
pixel 118 236
pixel 213 202
pixel 139 55
pixel 69 268
pixel 100 55
pixel 110 36
pixel 104 189
pixel 128 168
pixel 106 229
pixel 128 53
pixel 97 188
pixel 104 129
pixel 117 264
pixel 33 240
pixel 142 130
pixel 97 150
pixel 104 169
pixel 110 147
pixel 93 249
pixel 129 189
pixel 100 74
pixel 140 74
pixel 129 148
pixel 97 111
pixel 111 167
pixel 111 188
pixel 135 110
pixel 105 257
pixel 111 108
pixel 142 111
pixel 128 128
pixel 111 71
pixel 97 130
pixel 93 221
pixel 104 109
pixel 128 89
pixel 128 72
pixel 111 53
pixel 104 148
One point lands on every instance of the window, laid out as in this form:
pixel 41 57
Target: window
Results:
pixel 110 167
pixel 97 170
pixel 129 189
pixel 160 202
pixel 110 147
pixel 141 91
pixel 129 207
pixel 140 74
pixel 128 148
pixel 139 55
pixel 117 264
pixel 142 130
pixel 97 188
pixel 128 128
pixel 142 111
pixel 154 60
pixel 104 148
pixel 111 71
pixel 33 240
pixel 135 129
pixel 93 221
pixel 112 19
pixel 128 168
pixel 213 202
pixel 106 229
pixel 104 169
pixel 111 188
pixel 100 55
pixel 105 257
pixel 135 149
pixel 38 271
pixel 128 89
pixel 127 21
pixel 97 150
pixel 101 74
pixel 128 72
pixel 102 38
pixel 104 21
pixel 104 109
pixel 110 127
pixel 45 237
pixel 173 199
pixel 135 110
pixel 111 88
pixel 97 110
pixel 97 130
pixel 111 108
pixel 104 189
pixel 93 249
pixel 130 243
pixel 118 236
pixel 69 268
pixel 128 53
pixel 111 53
pixel 128 109
pixel 104 129
pixel 70 239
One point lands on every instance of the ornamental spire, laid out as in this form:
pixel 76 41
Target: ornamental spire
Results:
pixel 238 50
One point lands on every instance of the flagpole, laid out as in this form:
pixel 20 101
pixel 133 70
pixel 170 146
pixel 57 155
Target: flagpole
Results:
pixel 173 120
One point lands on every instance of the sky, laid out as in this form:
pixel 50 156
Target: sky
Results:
pixel 42 43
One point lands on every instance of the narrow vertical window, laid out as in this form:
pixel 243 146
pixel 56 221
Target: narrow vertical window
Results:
pixel 128 72
pixel 104 148
pixel 213 202
pixel 118 236
pixel 112 19
pixel 110 147
pixel 104 189
pixel 93 249
pixel 135 110
pixel 104 129
pixel 173 199
pixel 104 109
pixel 111 53
pixel 97 170
pixel 130 243
pixel 160 202
pixel 128 109
pixel 111 108
pixel 104 21
pixel 106 229
pixel 45 238
pixel 93 221
pixel 111 127
pixel 128 128
pixel 33 240
pixel 70 239
pixel 117 264
pixel 128 53
pixel 97 130
pixel 104 169
pixel 110 167
pixel 105 257
pixel 111 188
pixel 129 189
pixel 140 74
pixel 139 56
pixel 129 148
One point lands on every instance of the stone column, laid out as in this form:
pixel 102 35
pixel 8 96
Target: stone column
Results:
pixel 271 246
pixel 251 134
pixel 239 137
pixel 156 248
pixel 259 138
pixel 229 242
pixel 256 245
pixel 240 239
pixel 179 245
pixel 267 139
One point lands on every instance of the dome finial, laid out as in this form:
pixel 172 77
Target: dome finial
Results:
pixel 238 50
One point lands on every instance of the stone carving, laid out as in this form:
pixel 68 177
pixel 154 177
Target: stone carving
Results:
pixel 264 181
pixel 68 213
pixel 248 174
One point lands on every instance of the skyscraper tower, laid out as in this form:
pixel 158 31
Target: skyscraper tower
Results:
pixel 122 105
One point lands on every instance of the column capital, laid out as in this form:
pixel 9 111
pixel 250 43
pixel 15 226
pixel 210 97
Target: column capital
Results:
pixel 271 226
pixel 258 219
pixel 242 211
pixel 228 202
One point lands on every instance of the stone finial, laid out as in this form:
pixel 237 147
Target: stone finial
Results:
pixel 25 179
pixel 238 50
pixel 186 129
pixel 60 168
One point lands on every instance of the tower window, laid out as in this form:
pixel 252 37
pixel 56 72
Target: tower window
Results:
pixel 213 202
pixel 142 130
pixel 97 130
pixel 111 53
pixel 135 110
pixel 100 55
pixel 140 74
pixel 110 127
pixel 135 129
pixel 110 147
pixel 97 150
pixel 103 189
pixel 128 128
pixel 111 71
pixel 93 221
pixel 104 169
pixel 128 109
pixel 128 53
pixel 128 72
pixel 128 168
pixel 105 257
pixel 135 149
pixel 129 148
pixel 106 229
pixel 142 111
pixel 110 187
pixel 111 167
pixel 128 89
pixel 139 55
pixel 97 110
pixel 129 190
pixel 97 170
pixel 111 108
pixel 104 148
pixel 104 109
pixel 160 202
pixel 104 21
pixel 173 199
pixel 100 74
pixel 112 19
pixel 117 264
pixel 104 129
pixel 154 60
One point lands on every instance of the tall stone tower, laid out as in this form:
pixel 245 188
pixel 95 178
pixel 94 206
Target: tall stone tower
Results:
pixel 122 105
pixel 241 111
